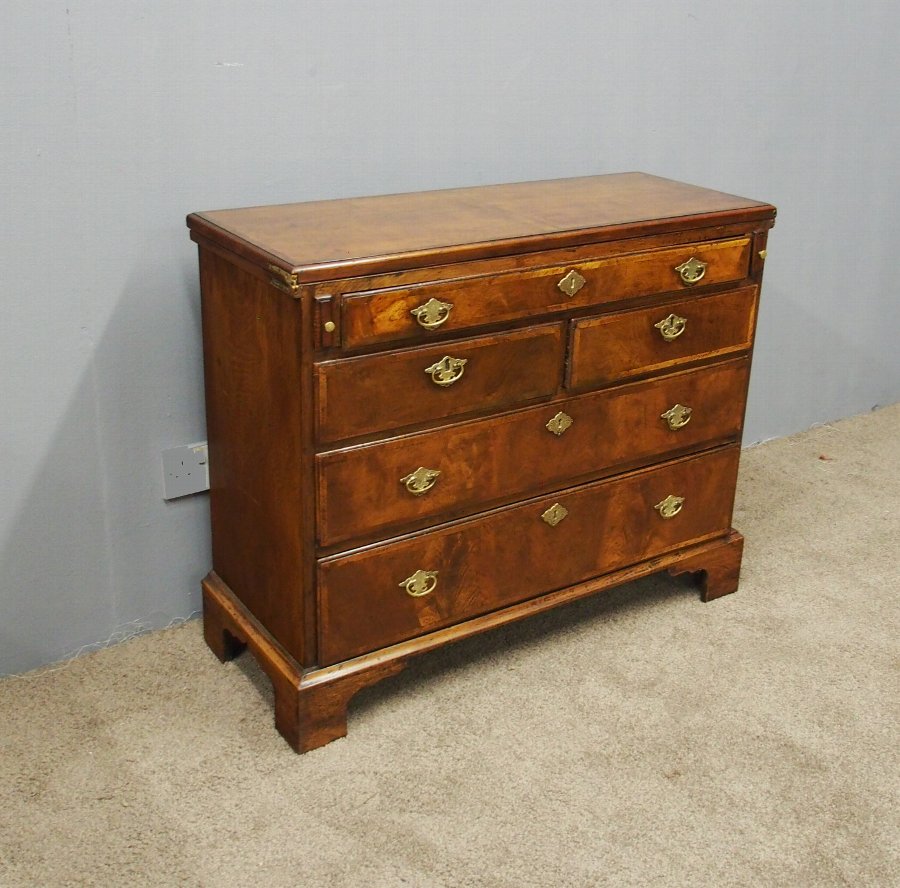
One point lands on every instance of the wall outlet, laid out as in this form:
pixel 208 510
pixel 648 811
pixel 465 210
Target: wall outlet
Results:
pixel 185 470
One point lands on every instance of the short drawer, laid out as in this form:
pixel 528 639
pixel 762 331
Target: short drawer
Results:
pixel 635 343
pixel 457 470
pixel 388 593
pixel 434 308
pixel 390 390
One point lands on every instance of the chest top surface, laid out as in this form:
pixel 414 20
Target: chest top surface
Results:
pixel 326 239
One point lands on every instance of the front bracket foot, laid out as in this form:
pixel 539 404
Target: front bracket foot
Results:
pixel 716 570
pixel 311 705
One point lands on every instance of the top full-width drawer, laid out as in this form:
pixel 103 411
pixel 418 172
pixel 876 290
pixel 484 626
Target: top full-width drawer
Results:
pixel 443 306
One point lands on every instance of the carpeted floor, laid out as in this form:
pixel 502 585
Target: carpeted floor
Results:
pixel 639 738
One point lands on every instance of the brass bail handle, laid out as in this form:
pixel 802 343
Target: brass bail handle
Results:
pixel 677 416
pixel 692 271
pixel 420 481
pixel 432 314
pixel 447 370
pixel 671 327
pixel 422 582
pixel 670 506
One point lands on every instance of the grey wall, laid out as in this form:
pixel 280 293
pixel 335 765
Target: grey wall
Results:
pixel 120 117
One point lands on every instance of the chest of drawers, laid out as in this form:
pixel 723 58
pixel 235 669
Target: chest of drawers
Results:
pixel 431 414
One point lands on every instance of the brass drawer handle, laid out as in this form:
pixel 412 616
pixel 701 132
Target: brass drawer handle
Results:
pixel 420 583
pixel 554 514
pixel 420 481
pixel 571 283
pixel 692 271
pixel 677 416
pixel 447 370
pixel 670 506
pixel 671 327
pixel 432 314
pixel 559 423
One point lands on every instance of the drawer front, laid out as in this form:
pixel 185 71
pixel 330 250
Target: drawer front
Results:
pixel 374 393
pixel 366 489
pixel 634 343
pixel 435 308
pixel 385 594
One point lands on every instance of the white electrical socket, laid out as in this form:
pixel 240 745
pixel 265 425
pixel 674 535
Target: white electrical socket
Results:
pixel 185 470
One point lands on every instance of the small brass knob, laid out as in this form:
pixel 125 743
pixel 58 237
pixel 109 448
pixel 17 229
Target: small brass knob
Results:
pixel 420 481
pixel 559 423
pixel 670 506
pixel 671 327
pixel 329 326
pixel 571 283
pixel 692 271
pixel 447 370
pixel 677 416
pixel 420 583
pixel 432 314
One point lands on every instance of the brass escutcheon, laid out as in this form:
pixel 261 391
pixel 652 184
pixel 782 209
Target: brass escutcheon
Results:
pixel 677 416
pixel 432 314
pixel 559 423
pixel 447 370
pixel 420 583
pixel 671 327
pixel 555 514
pixel 670 506
pixel 420 481
pixel 692 271
pixel 571 283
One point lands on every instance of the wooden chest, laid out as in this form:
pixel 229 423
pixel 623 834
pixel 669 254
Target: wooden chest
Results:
pixel 430 414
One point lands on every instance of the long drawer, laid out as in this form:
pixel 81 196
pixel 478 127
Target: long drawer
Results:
pixel 626 344
pixel 387 593
pixel 457 470
pixel 374 393
pixel 438 307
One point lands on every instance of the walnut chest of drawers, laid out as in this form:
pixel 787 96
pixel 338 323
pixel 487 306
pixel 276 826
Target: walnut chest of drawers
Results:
pixel 430 414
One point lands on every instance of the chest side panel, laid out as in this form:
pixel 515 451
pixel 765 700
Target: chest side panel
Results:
pixel 255 427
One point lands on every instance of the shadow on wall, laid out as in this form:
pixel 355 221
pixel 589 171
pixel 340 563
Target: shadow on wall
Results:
pixel 95 554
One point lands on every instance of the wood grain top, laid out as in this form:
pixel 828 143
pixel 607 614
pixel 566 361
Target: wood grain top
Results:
pixel 336 238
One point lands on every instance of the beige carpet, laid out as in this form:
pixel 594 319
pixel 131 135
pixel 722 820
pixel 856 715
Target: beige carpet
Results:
pixel 639 738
